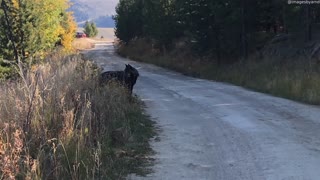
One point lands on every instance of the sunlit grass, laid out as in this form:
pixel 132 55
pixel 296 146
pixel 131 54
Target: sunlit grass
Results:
pixel 56 122
pixel 82 44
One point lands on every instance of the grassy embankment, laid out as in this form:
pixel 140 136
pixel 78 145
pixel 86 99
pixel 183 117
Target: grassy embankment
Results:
pixel 297 79
pixel 56 122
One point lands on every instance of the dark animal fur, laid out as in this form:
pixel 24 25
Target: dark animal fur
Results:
pixel 128 77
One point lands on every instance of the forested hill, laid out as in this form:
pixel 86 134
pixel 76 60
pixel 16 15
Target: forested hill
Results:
pixel 80 11
pixel 99 11
pixel 102 22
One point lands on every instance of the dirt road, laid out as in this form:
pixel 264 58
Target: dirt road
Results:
pixel 216 131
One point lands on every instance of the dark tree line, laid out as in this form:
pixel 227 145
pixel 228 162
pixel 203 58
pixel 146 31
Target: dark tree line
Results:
pixel 231 28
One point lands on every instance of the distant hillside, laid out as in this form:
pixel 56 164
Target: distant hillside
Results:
pixel 101 22
pixel 105 21
pixel 100 11
pixel 80 11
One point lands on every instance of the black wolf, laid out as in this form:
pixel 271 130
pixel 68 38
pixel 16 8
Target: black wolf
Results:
pixel 128 77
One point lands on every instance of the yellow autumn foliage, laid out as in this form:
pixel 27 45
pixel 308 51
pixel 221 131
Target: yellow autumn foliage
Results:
pixel 38 26
pixel 68 33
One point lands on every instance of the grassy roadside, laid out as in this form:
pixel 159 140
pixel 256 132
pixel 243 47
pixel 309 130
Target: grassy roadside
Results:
pixel 82 44
pixel 297 79
pixel 56 122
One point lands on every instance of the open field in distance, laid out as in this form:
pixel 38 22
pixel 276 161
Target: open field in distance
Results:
pixel 107 33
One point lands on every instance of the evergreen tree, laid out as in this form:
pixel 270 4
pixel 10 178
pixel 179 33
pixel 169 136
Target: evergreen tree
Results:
pixel 129 19
pixel 87 28
pixel 90 29
pixel 94 29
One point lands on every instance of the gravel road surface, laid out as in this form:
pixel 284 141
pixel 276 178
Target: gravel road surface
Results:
pixel 217 131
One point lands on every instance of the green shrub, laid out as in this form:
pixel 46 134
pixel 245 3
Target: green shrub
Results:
pixel 5 72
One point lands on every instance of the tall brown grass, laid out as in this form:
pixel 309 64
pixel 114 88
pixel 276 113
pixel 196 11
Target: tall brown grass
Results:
pixel 297 79
pixel 82 44
pixel 56 122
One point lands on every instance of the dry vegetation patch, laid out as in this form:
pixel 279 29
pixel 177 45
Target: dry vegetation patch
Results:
pixel 82 44
pixel 297 79
pixel 56 122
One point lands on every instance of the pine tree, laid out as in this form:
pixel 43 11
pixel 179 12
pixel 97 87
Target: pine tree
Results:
pixel 94 29
pixel 90 29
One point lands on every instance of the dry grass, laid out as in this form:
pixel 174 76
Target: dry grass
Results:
pixel 87 43
pixel 56 122
pixel 82 44
pixel 297 79
pixel 106 33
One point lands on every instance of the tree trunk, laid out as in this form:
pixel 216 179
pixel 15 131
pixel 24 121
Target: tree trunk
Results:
pixel 218 45
pixel 308 31
pixel 284 18
pixel 244 30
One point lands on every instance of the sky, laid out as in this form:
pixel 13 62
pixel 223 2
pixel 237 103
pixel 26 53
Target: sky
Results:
pixel 110 5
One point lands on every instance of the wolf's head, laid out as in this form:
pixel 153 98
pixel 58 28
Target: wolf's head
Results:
pixel 131 75
pixel 131 72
